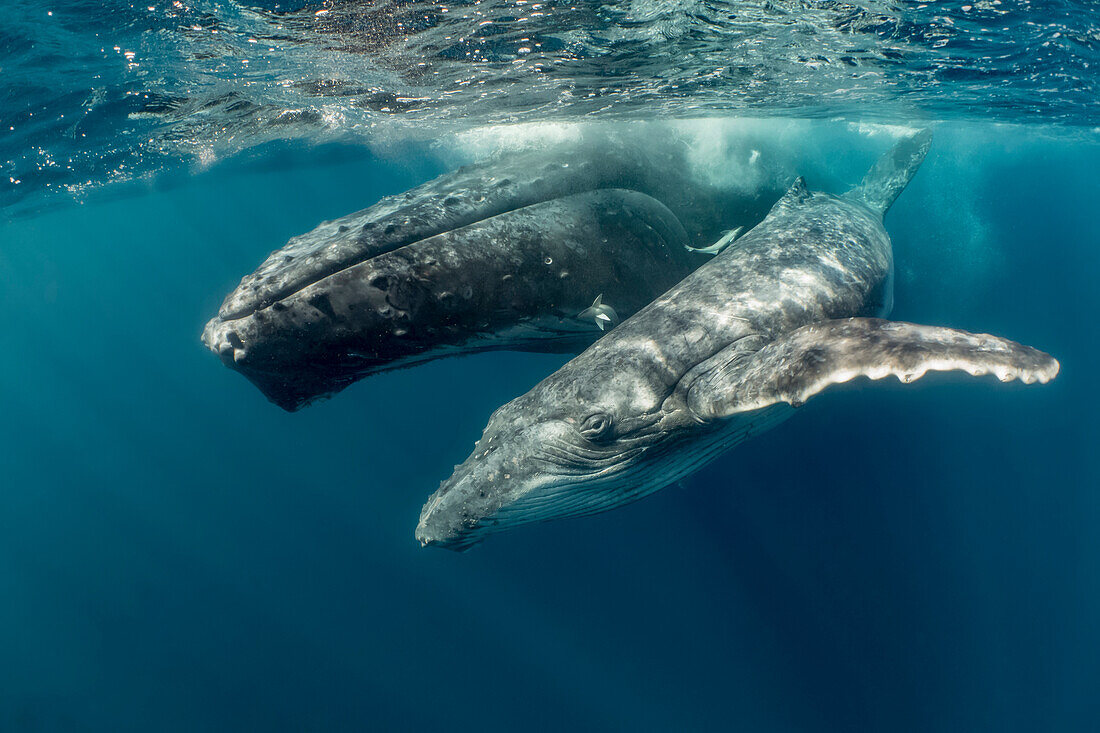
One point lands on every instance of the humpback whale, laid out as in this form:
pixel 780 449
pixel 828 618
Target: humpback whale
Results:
pixel 500 255
pixel 725 354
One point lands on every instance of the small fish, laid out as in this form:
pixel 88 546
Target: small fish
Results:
pixel 723 242
pixel 603 315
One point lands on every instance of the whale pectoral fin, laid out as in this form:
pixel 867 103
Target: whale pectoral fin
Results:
pixel 805 361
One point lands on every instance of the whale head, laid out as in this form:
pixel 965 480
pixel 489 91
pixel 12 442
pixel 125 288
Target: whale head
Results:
pixel 584 440
pixel 534 465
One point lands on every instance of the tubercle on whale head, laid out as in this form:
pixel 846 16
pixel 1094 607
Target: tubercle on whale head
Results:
pixel 461 512
pixel 318 340
pixel 454 200
pixel 503 467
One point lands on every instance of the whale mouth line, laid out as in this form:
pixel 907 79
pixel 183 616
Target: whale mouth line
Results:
pixel 580 491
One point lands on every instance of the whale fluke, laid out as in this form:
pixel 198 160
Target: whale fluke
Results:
pixel 889 176
pixel 809 359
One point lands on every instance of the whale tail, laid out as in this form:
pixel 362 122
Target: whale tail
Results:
pixel 891 174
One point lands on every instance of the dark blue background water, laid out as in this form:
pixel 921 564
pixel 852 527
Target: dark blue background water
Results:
pixel 176 554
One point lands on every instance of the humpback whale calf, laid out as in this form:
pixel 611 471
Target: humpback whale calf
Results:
pixel 502 254
pixel 726 353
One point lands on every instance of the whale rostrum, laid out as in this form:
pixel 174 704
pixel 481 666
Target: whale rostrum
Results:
pixel 729 351
pixel 504 254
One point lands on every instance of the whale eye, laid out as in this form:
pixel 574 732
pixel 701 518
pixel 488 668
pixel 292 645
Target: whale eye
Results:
pixel 596 426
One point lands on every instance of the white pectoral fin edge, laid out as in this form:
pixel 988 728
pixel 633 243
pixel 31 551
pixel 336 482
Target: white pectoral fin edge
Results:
pixel 804 362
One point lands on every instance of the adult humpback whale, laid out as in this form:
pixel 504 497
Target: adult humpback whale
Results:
pixel 723 355
pixel 505 254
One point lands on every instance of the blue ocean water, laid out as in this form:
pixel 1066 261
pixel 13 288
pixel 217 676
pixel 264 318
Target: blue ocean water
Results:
pixel 177 554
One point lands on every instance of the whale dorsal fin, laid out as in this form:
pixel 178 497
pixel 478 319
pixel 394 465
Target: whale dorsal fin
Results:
pixel 797 193
pixel 890 175
pixel 805 361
